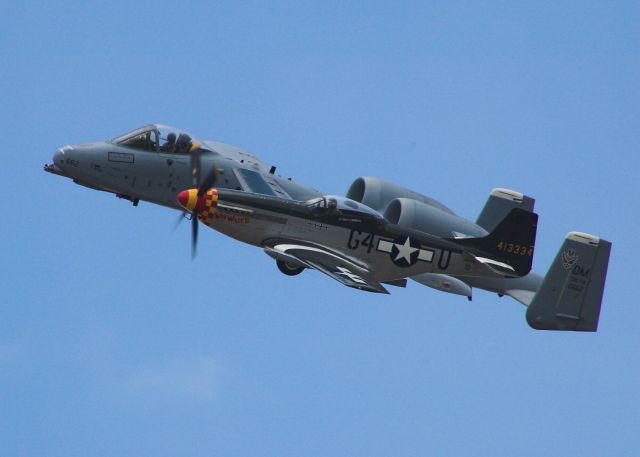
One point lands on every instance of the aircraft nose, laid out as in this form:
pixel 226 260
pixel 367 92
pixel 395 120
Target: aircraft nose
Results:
pixel 188 199
pixel 57 167
pixel 58 158
pixel 205 205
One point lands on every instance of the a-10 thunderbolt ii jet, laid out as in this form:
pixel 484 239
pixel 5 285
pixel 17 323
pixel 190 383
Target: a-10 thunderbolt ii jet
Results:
pixel 378 234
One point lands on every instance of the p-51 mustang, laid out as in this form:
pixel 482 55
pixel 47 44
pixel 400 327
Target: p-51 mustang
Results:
pixel 379 234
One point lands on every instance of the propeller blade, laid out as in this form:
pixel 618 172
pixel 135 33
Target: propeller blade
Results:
pixel 177 223
pixel 196 170
pixel 195 163
pixel 194 234
pixel 209 181
pixel 184 215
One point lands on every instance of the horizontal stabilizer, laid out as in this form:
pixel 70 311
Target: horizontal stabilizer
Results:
pixel 570 296
pixel 522 295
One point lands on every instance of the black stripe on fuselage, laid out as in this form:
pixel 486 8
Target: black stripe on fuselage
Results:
pixel 340 218
pixel 351 220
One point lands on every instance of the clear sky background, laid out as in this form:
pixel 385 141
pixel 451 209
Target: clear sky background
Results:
pixel 113 342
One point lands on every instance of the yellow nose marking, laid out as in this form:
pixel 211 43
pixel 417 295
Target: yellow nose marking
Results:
pixel 193 199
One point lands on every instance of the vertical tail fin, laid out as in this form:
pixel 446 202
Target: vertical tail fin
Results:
pixel 498 205
pixel 570 296
pixel 508 248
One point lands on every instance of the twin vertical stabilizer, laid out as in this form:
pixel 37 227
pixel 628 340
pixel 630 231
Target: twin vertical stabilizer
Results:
pixel 570 296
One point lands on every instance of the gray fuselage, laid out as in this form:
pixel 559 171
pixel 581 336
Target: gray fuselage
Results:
pixel 158 176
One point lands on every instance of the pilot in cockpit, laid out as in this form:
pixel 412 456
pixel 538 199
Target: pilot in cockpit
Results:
pixel 183 143
pixel 170 145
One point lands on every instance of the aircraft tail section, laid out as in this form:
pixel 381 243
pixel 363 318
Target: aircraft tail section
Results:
pixel 570 296
pixel 500 202
pixel 508 249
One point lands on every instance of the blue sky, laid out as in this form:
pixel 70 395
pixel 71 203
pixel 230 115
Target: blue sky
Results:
pixel 113 342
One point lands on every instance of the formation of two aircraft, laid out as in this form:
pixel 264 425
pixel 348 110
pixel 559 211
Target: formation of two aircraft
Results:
pixel 378 234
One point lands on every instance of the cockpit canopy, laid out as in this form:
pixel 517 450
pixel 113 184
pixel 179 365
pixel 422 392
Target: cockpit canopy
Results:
pixel 158 138
pixel 341 204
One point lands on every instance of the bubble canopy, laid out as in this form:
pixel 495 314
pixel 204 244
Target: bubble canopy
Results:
pixel 157 138
pixel 342 204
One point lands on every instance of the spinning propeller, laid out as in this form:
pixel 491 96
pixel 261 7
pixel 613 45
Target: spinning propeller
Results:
pixel 201 199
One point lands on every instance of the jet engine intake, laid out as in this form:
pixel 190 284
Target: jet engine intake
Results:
pixel 377 194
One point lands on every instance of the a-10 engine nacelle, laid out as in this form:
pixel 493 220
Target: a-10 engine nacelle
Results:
pixel 427 218
pixel 410 209
pixel 377 194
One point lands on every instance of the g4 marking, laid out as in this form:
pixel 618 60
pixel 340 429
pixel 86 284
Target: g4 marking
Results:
pixel 357 239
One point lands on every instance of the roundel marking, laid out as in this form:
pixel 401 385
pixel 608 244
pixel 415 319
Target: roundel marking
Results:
pixel 405 251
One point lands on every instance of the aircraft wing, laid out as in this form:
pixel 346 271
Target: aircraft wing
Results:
pixel 334 265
